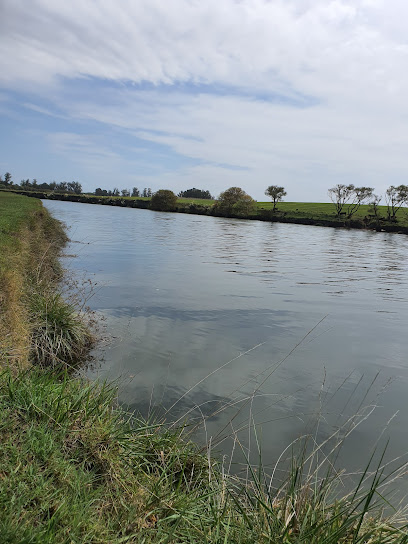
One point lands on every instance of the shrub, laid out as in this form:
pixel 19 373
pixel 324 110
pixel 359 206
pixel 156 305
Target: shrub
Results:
pixel 235 201
pixel 163 200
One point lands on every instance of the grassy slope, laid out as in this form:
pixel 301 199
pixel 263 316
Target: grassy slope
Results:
pixel 16 213
pixel 75 469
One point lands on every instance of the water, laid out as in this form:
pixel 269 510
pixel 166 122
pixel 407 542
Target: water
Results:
pixel 304 319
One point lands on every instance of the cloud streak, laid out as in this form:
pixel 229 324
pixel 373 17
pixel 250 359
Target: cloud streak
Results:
pixel 306 94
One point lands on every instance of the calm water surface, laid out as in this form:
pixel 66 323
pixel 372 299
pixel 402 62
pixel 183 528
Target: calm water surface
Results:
pixel 303 318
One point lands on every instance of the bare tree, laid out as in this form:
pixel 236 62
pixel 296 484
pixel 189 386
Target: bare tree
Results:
pixel 340 195
pixel 276 193
pixel 374 204
pixel 395 197
pixel 359 196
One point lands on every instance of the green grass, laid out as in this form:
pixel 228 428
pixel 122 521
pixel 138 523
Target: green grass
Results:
pixel 14 210
pixel 198 201
pixel 74 469
pixel 326 211
pixel 60 337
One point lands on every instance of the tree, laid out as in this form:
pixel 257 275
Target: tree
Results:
pixel 74 187
pixel 276 193
pixel 395 197
pixel 349 198
pixel 244 207
pixel 135 191
pixel 115 192
pixel 149 192
pixel 235 200
pixel 359 196
pixel 62 187
pixel 125 192
pixel 340 195
pixel 374 204
pixel 195 193
pixel 163 200
pixel 144 194
pixel 7 179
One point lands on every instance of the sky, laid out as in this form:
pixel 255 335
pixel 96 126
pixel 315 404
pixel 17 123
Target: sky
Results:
pixel 205 93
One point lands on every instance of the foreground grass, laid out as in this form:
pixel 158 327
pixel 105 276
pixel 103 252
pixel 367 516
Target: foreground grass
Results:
pixel 74 468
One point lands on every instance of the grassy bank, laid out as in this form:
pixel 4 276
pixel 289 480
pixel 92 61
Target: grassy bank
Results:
pixel 74 468
pixel 37 325
pixel 307 213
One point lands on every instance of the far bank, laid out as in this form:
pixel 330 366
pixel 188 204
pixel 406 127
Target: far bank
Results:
pixel 302 213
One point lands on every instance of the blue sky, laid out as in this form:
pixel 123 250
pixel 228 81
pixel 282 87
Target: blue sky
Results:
pixel 205 94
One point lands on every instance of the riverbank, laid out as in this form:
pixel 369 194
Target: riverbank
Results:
pixel 75 468
pixel 301 213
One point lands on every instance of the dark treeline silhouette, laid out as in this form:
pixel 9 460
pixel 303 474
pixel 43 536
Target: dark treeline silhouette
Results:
pixel 195 193
pixel 145 193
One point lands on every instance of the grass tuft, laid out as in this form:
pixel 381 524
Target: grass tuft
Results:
pixel 60 335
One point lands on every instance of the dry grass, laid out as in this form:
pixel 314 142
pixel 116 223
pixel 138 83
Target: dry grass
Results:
pixel 30 244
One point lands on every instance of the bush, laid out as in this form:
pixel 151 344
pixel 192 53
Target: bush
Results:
pixel 163 200
pixel 235 201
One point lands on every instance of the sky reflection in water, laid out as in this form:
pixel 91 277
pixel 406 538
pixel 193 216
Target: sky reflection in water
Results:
pixel 183 295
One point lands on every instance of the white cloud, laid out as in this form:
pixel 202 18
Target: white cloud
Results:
pixel 323 46
pixel 348 57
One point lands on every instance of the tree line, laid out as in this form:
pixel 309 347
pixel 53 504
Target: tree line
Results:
pixel 346 199
pixel 147 193
pixel 73 187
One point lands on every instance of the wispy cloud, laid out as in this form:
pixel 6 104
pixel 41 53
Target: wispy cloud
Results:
pixel 234 92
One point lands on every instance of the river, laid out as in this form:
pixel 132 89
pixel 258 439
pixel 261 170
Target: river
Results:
pixel 243 324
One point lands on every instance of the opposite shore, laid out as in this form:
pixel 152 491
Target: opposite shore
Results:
pixel 317 214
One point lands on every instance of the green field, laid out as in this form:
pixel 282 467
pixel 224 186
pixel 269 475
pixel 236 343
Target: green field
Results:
pixel 314 209
pixel 14 210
